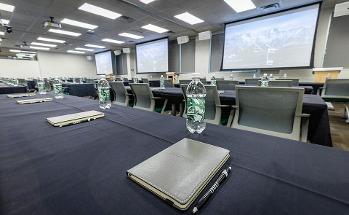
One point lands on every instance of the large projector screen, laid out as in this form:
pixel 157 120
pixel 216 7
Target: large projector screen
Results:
pixel 152 56
pixel 104 63
pixel 280 40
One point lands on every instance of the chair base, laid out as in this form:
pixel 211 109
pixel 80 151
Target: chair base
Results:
pixel 346 113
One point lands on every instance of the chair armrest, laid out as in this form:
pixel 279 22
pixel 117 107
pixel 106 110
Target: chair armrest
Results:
pixel 305 115
pixel 158 98
pixel 223 106
pixel 234 107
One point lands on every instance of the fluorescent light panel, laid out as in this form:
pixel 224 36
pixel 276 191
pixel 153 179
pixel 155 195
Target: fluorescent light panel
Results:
pixel 99 11
pixel 7 7
pixel 21 51
pixel 43 44
pixel 112 41
pixel 133 36
pixel 75 52
pixel 39 48
pixel 189 18
pixel 50 40
pixel 146 1
pixel 241 5
pixel 95 46
pixel 83 49
pixel 155 28
pixel 2 33
pixel 69 33
pixel 79 24
pixel 5 21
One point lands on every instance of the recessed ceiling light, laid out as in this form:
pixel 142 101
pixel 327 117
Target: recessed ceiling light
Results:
pixel 146 1
pixel 83 49
pixel 2 33
pixel 69 33
pixel 43 44
pixel 133 36
pixel 15 50
pixel 241 5
pixel 50 40
pixel 5 21
pixel 99 11
pixel 75 52
pixel 112 41
pixel 189 18
pixel 155 28
pixel 78 24
pixel 95 46
pixel 0 39
pixel 39 48
pixel 7 7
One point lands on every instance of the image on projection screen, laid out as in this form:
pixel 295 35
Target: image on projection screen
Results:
pixel 279 40
pixel 152 56
pixel 104 63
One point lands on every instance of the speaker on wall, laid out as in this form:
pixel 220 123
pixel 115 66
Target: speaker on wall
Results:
pixel 126 50
pixel 206 35
pixel 89 58
pixel 182 40
pixel 117 52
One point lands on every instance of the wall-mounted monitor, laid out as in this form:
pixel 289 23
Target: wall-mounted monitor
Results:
pixel 152 57
pixel 105 63
pixel 284 39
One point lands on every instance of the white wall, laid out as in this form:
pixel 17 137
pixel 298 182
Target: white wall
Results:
pixel 49 65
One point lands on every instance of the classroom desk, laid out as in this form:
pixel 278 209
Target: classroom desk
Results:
pixel 8 89
pixel 81 169
pixel 81 90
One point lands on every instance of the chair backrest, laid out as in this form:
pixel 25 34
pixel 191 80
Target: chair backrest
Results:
pixel 143 96
pixel 125 79
pixel 269 110
pixel 120 92
pixel 295 82
pixel 145 80
pixel 226 85
pixel 212 105
pixel 168 83
pixel 336 88
pixel 280 83
pixel 184 82
pixel 252 81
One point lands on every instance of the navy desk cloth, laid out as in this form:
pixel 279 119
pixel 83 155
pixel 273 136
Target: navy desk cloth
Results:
pixel 319 125
pixel 7 89
pixel 81 169
pixel 81 90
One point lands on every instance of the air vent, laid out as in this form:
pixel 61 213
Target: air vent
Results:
pixel 341 9
pixel 126 19
pixel 271 6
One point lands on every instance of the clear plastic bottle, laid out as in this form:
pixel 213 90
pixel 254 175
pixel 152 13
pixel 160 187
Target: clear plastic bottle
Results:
pixel 58 89
pixel 104 94
pixel 41 86
pixel 196 94
pixel 213 81
pixel 264 81
pixel 162 82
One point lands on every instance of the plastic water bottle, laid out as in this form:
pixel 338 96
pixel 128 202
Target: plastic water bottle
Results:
pixel 41 87
pixel 104 94
pixel 162 82
pixel 264 81
pixel 58 89
pixel 285 75
pixel 196 94
pixel 213 81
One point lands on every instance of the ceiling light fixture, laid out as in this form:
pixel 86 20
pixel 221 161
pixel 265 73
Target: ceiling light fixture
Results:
pixel 133 36
pixel 69 33
pixel 189 18
pixel 112 41
pixel 155 28
pixel 95 46
pixel 78 24
pixel 15 50
pixel 99 11
pixel 241 5
pixel 39 48
pixel 50 40
pixel 83 49
pixel 5 21
pixel 75 52
pixel 146 1
pixel 7 7
pixel 2 33
pixel 43 44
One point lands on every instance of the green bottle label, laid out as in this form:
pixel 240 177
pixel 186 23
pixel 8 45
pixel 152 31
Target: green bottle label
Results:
pixel 58 89
pixel 41 86
pixel 104 94
pixel 196 109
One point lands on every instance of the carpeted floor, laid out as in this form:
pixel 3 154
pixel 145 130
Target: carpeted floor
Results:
pixel 339 129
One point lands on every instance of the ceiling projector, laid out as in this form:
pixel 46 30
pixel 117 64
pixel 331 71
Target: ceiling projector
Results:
pixel 52 23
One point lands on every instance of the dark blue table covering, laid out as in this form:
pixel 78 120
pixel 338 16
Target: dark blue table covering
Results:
pixel 7 89
pixel 319 125
pixel 81 90
pixel 81 169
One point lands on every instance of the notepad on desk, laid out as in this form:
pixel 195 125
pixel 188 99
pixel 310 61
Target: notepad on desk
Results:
pixel 180 173
pixel 20 95
pixel 33 101
pixel 75 118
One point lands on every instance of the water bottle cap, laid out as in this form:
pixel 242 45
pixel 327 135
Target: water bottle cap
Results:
pixel 196 75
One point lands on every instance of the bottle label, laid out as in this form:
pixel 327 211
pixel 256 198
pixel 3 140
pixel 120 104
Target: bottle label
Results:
pixel 58 89
pixel 41 86
pixel 196 109
pixel 104 94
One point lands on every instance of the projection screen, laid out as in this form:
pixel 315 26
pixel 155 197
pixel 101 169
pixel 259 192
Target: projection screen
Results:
pixel 104 63
pixel 152 56
pixel 280 40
